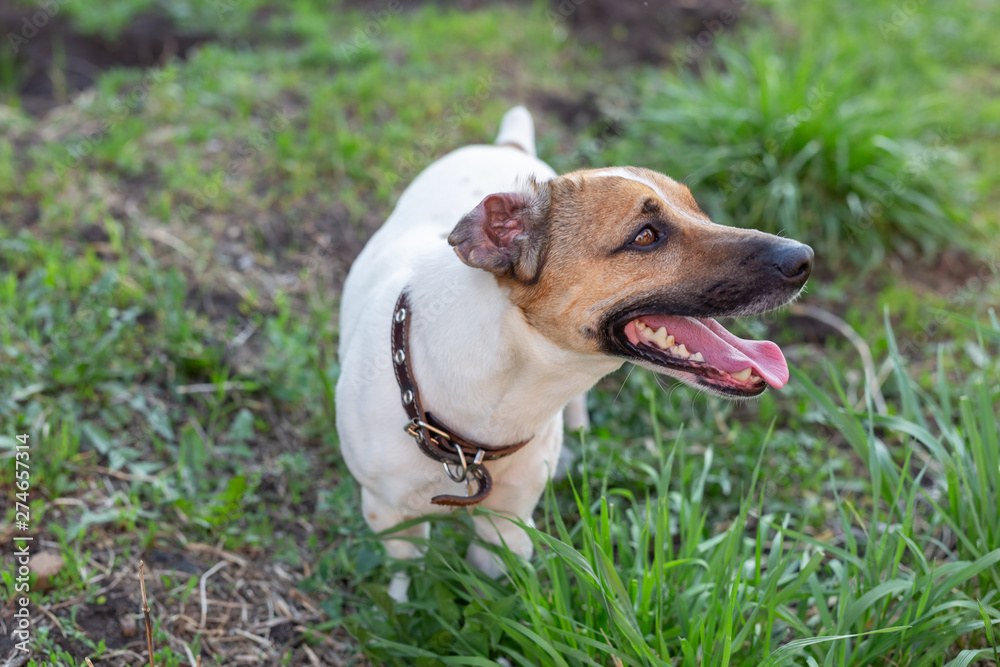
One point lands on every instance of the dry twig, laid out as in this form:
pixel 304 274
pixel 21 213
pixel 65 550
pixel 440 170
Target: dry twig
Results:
pixel 313 658
pixel 145 611
pixel 848 332
pixel 211 387
pixel 204 596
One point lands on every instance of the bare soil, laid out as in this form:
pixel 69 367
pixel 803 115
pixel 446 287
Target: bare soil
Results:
pixel 147 41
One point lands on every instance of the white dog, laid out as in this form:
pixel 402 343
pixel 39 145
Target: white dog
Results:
pixel 497 291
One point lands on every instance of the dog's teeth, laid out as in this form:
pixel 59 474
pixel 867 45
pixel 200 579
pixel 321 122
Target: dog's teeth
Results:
pixel 755 378
pixel 743 375
pixel 697 357
pixel 640 325
pixel 647 333
pixel 682 351
pixel 660 337
pixel 668 342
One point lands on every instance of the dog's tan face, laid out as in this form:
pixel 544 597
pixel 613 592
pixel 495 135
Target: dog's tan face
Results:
pixel 622 261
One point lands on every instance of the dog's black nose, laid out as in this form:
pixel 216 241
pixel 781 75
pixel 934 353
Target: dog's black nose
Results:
pixel 795 262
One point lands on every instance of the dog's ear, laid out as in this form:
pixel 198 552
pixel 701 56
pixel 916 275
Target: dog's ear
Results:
pixel 505 234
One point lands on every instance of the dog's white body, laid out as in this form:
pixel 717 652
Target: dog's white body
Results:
pixel 481 368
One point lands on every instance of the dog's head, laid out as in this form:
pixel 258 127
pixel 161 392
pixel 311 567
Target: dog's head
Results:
pixel 622 262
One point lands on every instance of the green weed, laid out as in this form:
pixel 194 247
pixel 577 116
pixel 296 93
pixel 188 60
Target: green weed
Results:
pixel 779 132
pixel 644 580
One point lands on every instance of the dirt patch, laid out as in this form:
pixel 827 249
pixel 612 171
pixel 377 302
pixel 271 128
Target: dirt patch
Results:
pixel 952 271
pixel 53 60
pixel 577 112
pixel 172 560
pixel 256 595
pixel 652 32
pixel 8 648
pixel 377 7
pixel 113 622
pixel 218 304
pixel 803 329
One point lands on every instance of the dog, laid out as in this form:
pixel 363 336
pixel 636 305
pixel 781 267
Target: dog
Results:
pixel 498 291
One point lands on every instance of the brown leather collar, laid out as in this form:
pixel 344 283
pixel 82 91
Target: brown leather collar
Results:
pixel 462 458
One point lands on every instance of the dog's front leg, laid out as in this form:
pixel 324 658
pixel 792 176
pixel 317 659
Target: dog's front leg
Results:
pixel 575 415
pixel 382 516
pixel 528 474
pixel 502 532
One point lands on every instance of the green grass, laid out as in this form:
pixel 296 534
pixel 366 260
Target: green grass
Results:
pixel 644 580
pixel 852 143
pixel 176 399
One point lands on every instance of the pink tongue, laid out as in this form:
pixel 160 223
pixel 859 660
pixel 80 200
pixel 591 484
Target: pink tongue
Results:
pixel 724 350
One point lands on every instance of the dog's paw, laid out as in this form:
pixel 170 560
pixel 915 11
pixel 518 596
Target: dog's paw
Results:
pixel 484 560
pixel 399 587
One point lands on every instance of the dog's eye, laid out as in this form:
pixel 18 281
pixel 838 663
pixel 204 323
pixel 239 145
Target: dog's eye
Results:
pixel 646 237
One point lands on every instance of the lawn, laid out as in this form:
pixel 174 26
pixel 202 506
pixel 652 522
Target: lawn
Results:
pixel 183 187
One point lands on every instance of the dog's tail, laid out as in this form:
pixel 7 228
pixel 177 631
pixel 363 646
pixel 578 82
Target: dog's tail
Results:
pixel 517 129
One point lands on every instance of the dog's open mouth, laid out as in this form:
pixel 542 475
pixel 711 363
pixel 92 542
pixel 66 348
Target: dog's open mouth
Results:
pixel 703 353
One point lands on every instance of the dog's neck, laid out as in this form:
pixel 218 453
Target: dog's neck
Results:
pixel 481 368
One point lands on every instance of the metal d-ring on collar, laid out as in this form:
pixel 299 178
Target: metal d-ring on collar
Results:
pixel 462 458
